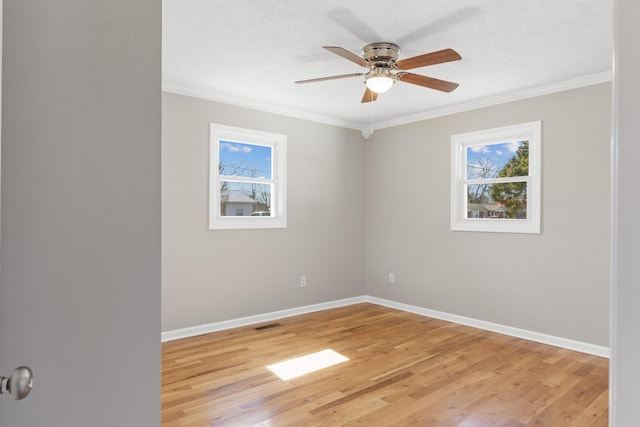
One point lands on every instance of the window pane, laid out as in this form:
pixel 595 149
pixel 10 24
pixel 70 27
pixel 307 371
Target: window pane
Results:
pixel 498 160
pixel 247 160
pixel 245 199
pixel 497 201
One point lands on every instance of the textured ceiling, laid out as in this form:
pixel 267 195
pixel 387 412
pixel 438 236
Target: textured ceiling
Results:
pixel 249 52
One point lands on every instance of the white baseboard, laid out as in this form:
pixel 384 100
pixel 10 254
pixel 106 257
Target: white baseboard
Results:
pixel 259 318
pixel 582 347
pixel 579 346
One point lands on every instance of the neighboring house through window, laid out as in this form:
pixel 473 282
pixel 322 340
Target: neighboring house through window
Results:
pixel 247 179
pixel 495 179
pixel 236 203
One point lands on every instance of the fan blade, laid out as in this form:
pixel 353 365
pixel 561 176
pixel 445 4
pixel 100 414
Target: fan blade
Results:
pixel 429 82
pixel 321 79
pixel 369 96
pixel 445 55
pixel 348 55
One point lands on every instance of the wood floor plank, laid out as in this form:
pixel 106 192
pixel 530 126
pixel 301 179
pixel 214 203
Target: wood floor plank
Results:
pixel 403 370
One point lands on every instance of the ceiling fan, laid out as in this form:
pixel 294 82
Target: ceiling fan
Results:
pixel 384 68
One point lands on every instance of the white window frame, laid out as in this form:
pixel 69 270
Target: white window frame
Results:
pixel 278 143
pixel 531 132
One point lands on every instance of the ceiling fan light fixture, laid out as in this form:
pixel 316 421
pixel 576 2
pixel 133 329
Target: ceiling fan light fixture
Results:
pixel 383 68
pixel 379 80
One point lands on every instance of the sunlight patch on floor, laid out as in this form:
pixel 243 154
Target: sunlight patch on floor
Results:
pixel 302 365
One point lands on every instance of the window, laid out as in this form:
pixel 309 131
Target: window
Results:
pixel 247 179
pixel 495 179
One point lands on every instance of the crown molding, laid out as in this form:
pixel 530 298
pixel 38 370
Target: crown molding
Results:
pixel 209 96
pixel 593 79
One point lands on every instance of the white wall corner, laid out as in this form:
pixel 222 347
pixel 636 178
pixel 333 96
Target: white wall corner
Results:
pixel 367 132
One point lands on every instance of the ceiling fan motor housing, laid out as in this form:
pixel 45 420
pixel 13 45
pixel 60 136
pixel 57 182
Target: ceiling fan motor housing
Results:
pixel 384 69
pixel 381 54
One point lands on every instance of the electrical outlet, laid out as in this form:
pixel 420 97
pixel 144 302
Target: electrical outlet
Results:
pixel 303 281
pixel 392 278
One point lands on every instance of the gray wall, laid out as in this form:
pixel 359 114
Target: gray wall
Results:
pixel 561 284
pixel 556 282
pixel 625 345
pixel 210 276
pixel 80 291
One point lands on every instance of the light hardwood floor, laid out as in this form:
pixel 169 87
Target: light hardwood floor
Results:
pixel 403 369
